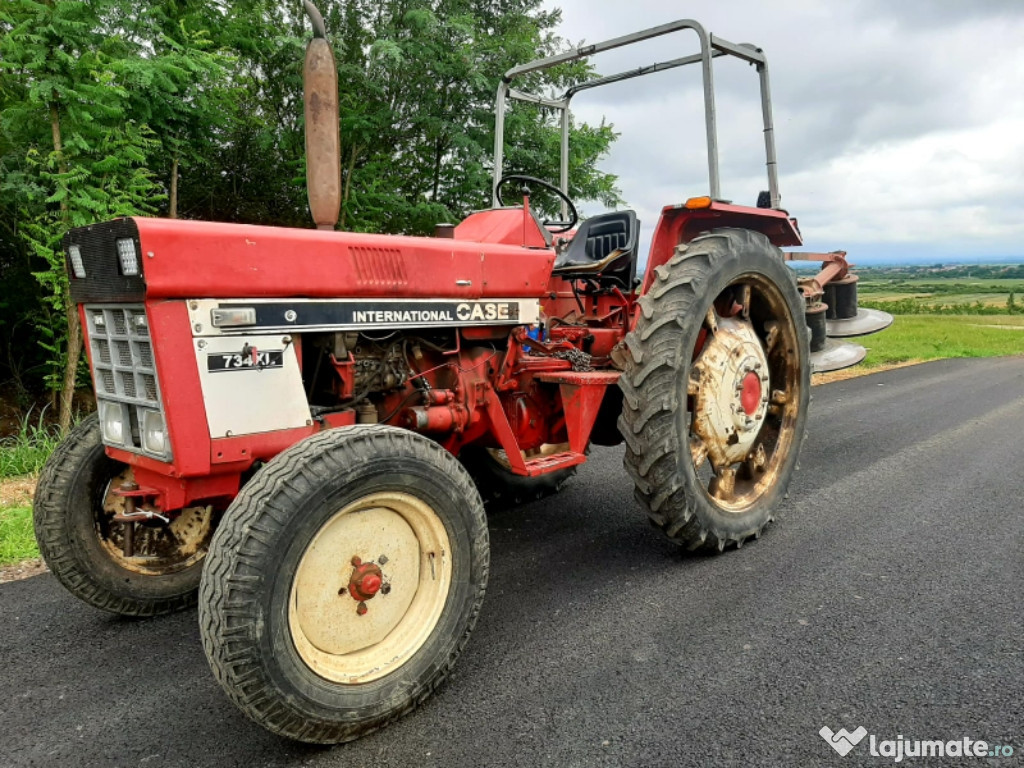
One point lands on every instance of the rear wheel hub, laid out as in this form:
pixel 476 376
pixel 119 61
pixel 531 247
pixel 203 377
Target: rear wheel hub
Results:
pixel 731 392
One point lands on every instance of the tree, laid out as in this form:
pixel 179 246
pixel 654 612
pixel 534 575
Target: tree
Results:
pixel 80 95
pixel 80 155
pixel 193 108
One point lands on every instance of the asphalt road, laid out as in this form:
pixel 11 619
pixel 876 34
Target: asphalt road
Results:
pixel 888 595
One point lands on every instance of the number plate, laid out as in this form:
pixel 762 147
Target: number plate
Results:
pixel 252 361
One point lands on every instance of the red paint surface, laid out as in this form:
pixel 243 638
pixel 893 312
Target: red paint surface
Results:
pixel 679 225
pixel 249 261
pixel 750 398
pixel 366 581
pixel 500 396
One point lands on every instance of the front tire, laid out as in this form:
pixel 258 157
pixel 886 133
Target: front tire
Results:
pixel 343 582
pixel 715 389
pixel 72 515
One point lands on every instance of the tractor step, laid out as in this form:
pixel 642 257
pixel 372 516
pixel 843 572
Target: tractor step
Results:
pixel 542 465
pixel 581 378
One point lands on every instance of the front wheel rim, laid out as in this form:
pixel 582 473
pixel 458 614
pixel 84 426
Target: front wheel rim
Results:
pixel 370 588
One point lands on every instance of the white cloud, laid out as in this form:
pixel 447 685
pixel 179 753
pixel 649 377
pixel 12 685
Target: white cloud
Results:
pixel 898 124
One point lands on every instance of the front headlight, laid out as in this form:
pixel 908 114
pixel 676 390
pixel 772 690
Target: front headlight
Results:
pixel 77 265
pixel 154 432
pixel 128 256
pixel 112 423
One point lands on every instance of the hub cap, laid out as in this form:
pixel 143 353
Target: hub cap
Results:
pixel 732 379
pixel 370 588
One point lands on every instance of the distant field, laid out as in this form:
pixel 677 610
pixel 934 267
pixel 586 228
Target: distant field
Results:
pixel 933 299
pixel 940 284
pixel 934 337
pixel 929 292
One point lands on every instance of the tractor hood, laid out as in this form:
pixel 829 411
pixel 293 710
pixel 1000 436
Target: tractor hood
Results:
pixel 136 258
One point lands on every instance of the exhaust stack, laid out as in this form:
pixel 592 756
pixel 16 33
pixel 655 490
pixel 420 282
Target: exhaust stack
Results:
pixel 323 144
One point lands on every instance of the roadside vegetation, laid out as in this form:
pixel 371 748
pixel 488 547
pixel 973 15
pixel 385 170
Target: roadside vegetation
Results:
pixel 22 455
pixel 918 338
pixel 960 290
pixel 17 541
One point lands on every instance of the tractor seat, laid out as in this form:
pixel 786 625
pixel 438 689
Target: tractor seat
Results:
pixel 604 244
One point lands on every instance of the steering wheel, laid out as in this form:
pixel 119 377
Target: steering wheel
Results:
pixel 574 217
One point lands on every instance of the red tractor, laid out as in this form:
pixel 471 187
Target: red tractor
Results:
pixel 300 428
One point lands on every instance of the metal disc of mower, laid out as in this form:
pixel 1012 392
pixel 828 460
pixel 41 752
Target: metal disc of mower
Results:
pixel 864 322
pixel 836 355
pixel 845 317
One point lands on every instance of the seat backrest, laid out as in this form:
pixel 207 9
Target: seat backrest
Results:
pixel 597 239
pixel 605 237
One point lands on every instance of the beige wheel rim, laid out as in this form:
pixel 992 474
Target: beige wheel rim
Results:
pixel 738 464
pixel 370 588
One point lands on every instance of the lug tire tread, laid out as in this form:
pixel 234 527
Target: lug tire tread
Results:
pixel 53 534
pixel 650 386
pixel 231 577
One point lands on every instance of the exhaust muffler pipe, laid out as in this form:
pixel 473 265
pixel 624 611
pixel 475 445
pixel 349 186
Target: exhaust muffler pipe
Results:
pixel 323 144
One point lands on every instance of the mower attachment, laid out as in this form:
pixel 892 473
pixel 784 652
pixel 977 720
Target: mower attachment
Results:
pixel 832 312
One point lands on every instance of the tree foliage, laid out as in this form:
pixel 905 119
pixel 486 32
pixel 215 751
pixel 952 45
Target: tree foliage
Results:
pixel 193 108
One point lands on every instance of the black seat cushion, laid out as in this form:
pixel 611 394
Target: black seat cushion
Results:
pixel 597 239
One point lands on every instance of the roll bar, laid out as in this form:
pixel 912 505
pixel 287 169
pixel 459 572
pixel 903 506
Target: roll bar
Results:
pixel 710 47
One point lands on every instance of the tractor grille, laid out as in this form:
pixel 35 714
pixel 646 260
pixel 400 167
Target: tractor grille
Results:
pixel 124 372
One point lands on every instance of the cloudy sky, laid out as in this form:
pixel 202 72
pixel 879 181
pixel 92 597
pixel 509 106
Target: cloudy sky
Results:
pixel 899 123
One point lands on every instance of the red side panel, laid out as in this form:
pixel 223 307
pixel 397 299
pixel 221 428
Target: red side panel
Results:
pixel 179 386
pixel 193 259
pixel 511 226
pixel 680 225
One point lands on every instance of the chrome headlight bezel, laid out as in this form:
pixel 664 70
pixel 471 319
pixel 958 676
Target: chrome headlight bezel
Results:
pixel 112 422
pixel 153 433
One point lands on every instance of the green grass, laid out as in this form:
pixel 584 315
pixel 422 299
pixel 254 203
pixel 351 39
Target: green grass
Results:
pixel 26 452
pixel 17 541
pixel 22 455
pixel 934 337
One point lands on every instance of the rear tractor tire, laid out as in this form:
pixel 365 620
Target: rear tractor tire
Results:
pixel 83 547
pixel 716 389
pixel 343 582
